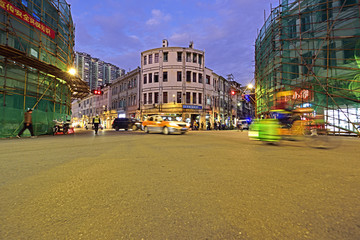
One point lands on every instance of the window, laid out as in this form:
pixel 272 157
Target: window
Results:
pixel 156 58
pixel 179 76
pixel 347 2
pixel 349 46
pixel 200 59
pixel 200 78
pixel 207 79
pixel 150 98
pixel 194 98
pixel 150 77
pixel 145 98
pixel 156 97
pixel 165 77
pixel 292 29
pixel 305 22
pixel 331 55
pixel 188 76
pixel 178 97
pixel 145 57
pixel 194 76
pixel 156 77
pixel 188 95
pixel 194 57
pixel 166 54
pixel 150 59
pixel 179 56
pixel 200 98
pixel 145 78
pixel 188 57
pixel 165 97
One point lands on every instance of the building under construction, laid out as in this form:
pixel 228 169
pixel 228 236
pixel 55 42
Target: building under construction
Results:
pixel 312 47
pixel 36 51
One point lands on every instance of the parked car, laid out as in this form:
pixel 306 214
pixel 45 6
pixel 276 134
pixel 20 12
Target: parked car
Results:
pixel 126 123
pixel 165 125
pixel 244 123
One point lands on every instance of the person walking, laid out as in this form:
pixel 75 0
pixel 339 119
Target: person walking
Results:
pixel 96 122
pixel 27 123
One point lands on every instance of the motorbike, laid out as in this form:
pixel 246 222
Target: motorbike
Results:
pixel 61 126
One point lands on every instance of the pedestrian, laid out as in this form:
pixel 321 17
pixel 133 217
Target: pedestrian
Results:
pixel 96 122
pixel 208 126
pixel 27 123
pixel 202 125
pixel 215 125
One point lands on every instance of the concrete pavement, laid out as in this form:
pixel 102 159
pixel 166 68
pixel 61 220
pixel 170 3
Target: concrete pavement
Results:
pixel 202 185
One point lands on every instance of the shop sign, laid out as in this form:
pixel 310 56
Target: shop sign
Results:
pixel 192 107
pixel 301 94
pixel 8 7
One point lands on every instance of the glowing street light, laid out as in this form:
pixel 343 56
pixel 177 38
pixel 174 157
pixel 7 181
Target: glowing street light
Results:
pixel 250 86
pixel 72 71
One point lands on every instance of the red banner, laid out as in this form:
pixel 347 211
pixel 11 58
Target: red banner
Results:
pixel 26 18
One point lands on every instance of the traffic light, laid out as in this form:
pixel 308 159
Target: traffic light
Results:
pixel 233 92
pixel 97 92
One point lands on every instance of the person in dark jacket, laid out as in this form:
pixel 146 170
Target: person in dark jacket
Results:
pixel 27 124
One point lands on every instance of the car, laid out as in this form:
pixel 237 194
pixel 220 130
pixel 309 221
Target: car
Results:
pixel 165 125
pixel 126 123
pixel 244 123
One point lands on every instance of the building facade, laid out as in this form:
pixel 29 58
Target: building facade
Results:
pixel 36 45
pixel 96 72
pixel 311 47
pixel 174 81
pixel 84 110
pixel 125 94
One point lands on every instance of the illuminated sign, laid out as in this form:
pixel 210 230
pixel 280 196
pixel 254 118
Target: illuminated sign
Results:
pixel 192 107
pixel 301 94
pixel 8 7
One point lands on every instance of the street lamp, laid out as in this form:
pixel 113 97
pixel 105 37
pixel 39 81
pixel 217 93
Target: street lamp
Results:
pixel 72 71
pixel 174 98
pixel 250 86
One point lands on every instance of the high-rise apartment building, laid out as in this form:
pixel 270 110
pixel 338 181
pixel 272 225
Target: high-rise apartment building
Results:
pixel 96 72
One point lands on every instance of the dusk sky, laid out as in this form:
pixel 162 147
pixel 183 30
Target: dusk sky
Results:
pixel 117 31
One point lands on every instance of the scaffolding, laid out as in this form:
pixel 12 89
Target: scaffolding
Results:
pixel 312 47
pixel 36 51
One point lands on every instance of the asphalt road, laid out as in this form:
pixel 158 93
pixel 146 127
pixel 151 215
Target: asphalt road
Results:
pixel 202 185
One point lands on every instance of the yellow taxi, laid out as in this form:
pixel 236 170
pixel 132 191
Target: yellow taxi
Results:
pixel 164 124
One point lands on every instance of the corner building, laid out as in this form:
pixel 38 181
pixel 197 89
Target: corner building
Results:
pixel 174 81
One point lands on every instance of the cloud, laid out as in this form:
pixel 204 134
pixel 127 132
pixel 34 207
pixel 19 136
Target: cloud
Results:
pixel 157 18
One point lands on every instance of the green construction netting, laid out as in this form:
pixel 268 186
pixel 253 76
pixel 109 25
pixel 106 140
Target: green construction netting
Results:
pixel 312 45
pixel 23 87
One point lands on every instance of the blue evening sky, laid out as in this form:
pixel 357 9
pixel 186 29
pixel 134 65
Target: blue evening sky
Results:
pixel 117 31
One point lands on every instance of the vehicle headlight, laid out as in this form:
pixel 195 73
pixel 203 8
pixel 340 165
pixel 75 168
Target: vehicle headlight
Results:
pixel 187 124
pixel 173 124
